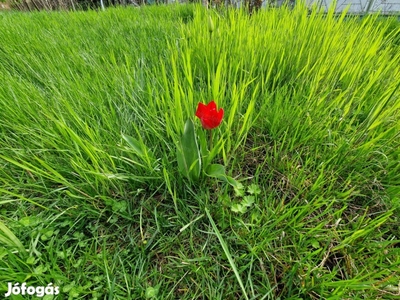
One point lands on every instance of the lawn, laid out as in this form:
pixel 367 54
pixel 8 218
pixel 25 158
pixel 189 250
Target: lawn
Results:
pixel 298 192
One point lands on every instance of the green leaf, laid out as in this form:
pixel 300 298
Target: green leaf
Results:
pixel 39 270
pixel 68 287
pixel 140 149
pixel 203 146
pixel 213 153
pixel 228 254
pixel 46 234
pixel 239 190
pixel 248 201
pixel 152 292
pixel 136 146
pixel 30 221
pixel 188 154
pixel 30 260
pixel 239 208
pixel 253 189
pixel 8 238
pixel 218 171
pixel 315 243
pixel 119 206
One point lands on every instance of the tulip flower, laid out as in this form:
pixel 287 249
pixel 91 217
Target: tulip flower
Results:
pixel 209 116
pixel 191 156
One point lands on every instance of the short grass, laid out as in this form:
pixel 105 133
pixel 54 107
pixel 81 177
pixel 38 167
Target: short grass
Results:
pixel 311 131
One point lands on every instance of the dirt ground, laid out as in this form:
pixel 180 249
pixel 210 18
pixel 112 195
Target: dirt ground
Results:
pixel 4 6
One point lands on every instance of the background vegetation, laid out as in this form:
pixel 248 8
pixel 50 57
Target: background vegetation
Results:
pixel 311 130
pixel 71 4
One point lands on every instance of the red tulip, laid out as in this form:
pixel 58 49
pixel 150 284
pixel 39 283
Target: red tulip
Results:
pixel 208 115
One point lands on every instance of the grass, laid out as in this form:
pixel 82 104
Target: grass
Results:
pixel 311 131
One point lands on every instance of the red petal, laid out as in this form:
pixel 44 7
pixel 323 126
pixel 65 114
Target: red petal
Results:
pixel 211 106
pixel 201 110
pixel 221 113
pixel 209 116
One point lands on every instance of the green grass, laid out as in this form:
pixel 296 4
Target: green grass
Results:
pixel 311 131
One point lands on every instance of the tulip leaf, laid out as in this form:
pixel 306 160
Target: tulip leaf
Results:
pixel 218 171
pixel 188 154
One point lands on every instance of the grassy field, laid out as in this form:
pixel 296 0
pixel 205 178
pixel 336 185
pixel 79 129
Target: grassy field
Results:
pixel 92 109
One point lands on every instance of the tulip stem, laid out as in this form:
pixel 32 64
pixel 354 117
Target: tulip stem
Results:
pixel 211 141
